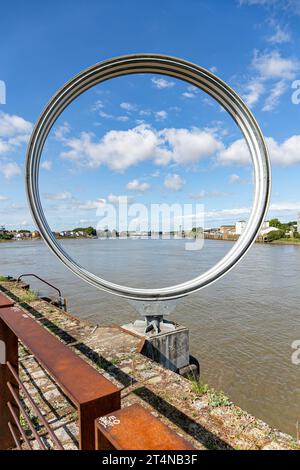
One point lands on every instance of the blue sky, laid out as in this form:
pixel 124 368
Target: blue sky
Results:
pixel 150 138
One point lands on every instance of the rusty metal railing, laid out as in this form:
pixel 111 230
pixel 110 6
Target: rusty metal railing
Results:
pixel 22 409
pixel 91 394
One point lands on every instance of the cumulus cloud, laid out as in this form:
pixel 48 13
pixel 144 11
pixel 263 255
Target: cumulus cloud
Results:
pixel 3 198
pixel 136 185
pixel 10 169
pixel 286 153
pixel 160 115
pixel 234 178
pixel 121 149
pixel 273 65
pixel 12 125
pixel 188 94
pixel 128 106
pixel 92 205
pixel 58 196
pixel 14 132
pixel 62 131
pixel 189 146
pixel 113 199
pixel 174 182
pixel 98 105
pixel 161 83
pixel 208 194
pixel 46 165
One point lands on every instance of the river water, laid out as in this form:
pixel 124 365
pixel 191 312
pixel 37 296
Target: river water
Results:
pixel 241 327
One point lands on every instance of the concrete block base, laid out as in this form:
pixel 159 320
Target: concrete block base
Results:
pixel 169 347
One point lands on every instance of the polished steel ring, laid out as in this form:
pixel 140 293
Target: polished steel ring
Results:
pixel 194 75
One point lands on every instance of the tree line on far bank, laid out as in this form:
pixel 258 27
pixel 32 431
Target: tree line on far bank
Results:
pixel 283 229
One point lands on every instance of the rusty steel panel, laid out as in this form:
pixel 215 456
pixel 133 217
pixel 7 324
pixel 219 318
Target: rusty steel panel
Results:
pixel 90 392
pixel 134 428
pixel 10 341
pixel 5 301
pixel 81 382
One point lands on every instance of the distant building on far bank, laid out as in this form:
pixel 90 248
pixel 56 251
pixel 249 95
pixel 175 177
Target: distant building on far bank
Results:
pixel 240 227
pixel 298 223
pixel 227 229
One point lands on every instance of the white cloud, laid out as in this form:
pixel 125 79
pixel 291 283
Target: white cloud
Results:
pixel 98 105
pixel 161 83
pixel 58 196
pixel 113 199
pixel 174 182
pixel 128 106
pixel 235 153
pixel 14 131
pixel 105 115
pixel 234 178
pixel 225 213
pixel 160 115
pixel 12 125
pixel 287 153
pixel 122 118
pixel 10 169
pixel 189 146
pixel 208 194
pixel 286 5
pixel 121 149
pixel 280 36
pixel 271 65
pixel 191 92
pixel 136 185
pixel 92 205
pixel 285 207
pixel 46 165
pixel 62 131
pixel 273 99
pixel 253 92
pixel 4 147
pixel 3 198
pixel 188 94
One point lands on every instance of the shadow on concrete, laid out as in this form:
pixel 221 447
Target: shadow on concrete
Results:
pixel 180 419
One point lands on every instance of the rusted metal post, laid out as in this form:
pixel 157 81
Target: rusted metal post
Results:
pixel 9 350
pixel 88 412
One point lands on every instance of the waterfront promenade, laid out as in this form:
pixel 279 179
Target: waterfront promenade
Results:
pixel 206 418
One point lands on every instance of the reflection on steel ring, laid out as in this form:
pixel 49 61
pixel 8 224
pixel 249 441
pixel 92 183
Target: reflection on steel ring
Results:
pixel 194 75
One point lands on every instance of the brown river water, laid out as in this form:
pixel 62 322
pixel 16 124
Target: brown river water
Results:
pixel 241 327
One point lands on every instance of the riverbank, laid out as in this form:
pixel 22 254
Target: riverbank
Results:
pixel 204 416
pixel 282 241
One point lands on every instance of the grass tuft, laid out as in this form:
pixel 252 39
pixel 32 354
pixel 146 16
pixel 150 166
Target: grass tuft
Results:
pixel 215 397
pixel 28 296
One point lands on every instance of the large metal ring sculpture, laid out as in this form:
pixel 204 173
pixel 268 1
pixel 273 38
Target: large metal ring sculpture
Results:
pixel 194 75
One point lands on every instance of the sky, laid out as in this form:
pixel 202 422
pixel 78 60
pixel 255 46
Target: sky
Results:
pixel 150 139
